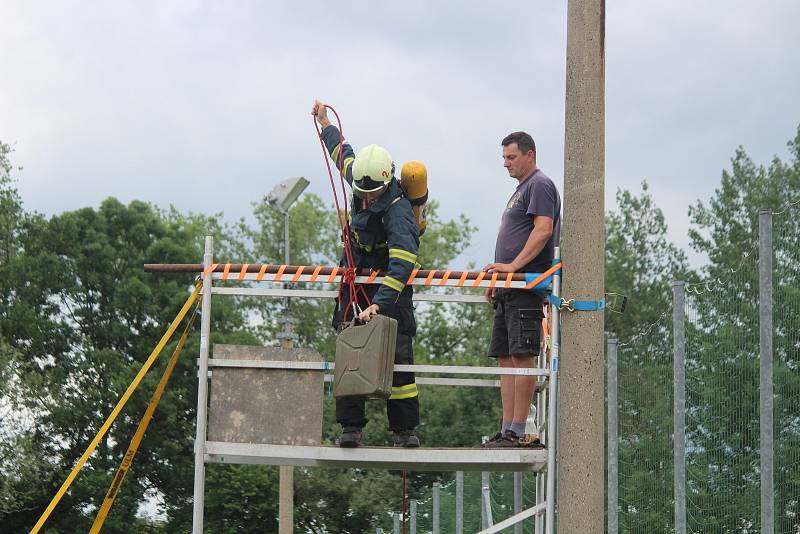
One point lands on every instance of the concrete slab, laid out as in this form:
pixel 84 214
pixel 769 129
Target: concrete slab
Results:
pixel 268 406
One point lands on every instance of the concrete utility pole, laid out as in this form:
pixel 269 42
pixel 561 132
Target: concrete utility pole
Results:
pixel 580 455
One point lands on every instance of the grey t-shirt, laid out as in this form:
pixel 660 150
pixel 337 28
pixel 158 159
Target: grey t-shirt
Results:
pixel 533 197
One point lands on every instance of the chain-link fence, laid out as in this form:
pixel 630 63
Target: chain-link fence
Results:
pixel 644 412
pixel 786 370
pixel 729 454
pixel 722 402
pixel 501 503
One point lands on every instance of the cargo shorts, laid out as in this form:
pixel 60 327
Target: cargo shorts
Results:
pixel 517 323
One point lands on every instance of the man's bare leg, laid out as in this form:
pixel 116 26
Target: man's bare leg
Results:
pixel 524 387
pixel 507 389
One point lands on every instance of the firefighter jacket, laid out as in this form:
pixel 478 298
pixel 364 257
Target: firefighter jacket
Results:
pixel 384 234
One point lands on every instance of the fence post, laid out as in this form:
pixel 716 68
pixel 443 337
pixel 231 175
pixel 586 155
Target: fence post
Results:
pixel 518 499
pixel 486 502
pixel 765 372
pixel 436 501
pixel 613 473
pixel 679 402
pixel 396 523
pixel 459 502
pixel 413 516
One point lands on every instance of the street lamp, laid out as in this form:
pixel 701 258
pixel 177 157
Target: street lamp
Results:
pixel 281 199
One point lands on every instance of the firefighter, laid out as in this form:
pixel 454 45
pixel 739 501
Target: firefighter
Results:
pixel 384 236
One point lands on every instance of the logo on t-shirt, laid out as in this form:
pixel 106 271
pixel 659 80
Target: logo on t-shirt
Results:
pixel 514 200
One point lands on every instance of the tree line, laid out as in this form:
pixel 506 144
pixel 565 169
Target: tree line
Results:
pixel 78 317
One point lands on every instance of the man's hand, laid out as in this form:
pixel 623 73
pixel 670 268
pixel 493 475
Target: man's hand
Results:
pixel 369 313
pixel 490 295
pixel 500 268
pixel 321 113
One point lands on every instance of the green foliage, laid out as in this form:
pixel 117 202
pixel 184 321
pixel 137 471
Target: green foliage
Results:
pixel 640 263
pixel 79 317
pixel 722 346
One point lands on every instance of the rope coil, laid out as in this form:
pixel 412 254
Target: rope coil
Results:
pixel 348 276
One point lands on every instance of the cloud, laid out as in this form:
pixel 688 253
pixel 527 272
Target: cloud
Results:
pixel 206 105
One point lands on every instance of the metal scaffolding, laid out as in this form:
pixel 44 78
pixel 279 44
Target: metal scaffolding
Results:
pixel 541 461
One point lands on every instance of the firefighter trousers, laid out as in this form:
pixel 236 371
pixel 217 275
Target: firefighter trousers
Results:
pixel 402 407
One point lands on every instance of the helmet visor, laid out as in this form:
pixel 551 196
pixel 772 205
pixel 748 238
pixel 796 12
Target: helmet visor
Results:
pixel 366 185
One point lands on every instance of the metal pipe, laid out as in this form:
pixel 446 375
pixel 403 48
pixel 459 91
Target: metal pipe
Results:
pixel 540 480
pixel 679 403
pixel 413 519
pixel 410 368
pixel 765 371
pixel 459 502
pixel 552 409
pixel 308 270
pixel 486 508
pixel 331 294
pixel 202 396
pixel 613 473
pixel 518 500
pixel 436 508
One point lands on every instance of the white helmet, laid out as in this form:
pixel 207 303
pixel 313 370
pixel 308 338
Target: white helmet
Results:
pixel 373 169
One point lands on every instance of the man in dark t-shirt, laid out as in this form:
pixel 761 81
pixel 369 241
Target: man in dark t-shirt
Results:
pixel 529 232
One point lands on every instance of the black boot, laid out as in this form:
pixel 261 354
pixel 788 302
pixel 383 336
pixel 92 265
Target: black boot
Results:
pixel 406 438
pixel 350 438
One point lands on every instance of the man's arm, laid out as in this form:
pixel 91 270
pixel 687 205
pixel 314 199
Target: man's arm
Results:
pixel 331 138
pixel 542 230
pixel 402 235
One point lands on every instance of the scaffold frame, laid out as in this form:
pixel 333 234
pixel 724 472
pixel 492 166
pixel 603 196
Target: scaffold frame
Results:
pixel 540 461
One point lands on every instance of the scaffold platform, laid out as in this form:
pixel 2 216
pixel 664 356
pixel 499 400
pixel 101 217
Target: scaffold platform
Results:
pixel 392 458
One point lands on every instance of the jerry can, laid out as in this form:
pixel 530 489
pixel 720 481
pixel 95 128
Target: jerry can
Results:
pixel 365 359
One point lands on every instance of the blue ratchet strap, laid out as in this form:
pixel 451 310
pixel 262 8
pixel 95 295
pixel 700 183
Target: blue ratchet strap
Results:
pixel 544 285
pixel 577 305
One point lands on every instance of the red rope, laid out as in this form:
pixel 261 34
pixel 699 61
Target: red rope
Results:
pixel 348 276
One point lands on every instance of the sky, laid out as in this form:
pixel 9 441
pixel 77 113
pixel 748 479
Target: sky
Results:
pixel 206 105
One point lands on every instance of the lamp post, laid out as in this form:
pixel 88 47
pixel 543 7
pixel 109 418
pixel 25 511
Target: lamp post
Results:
pixel 281 199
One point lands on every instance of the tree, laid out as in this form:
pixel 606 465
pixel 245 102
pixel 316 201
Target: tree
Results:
pixel 11 213
pixel 81 316
pixel 722 345
pixel 640 263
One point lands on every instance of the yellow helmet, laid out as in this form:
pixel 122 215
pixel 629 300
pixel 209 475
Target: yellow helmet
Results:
pixel 373 168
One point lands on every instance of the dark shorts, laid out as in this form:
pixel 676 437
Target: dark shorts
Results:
pixel 517 323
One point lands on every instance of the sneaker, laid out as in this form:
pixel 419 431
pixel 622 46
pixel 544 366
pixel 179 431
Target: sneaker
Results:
pixel 508 440
pixel 406 438
pixel 350 438
pixel 531 442
pixel 489 443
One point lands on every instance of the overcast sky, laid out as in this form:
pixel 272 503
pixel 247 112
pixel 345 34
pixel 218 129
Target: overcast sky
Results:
pixel 205 105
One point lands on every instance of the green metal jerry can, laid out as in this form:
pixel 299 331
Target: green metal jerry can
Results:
pixel 365 359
